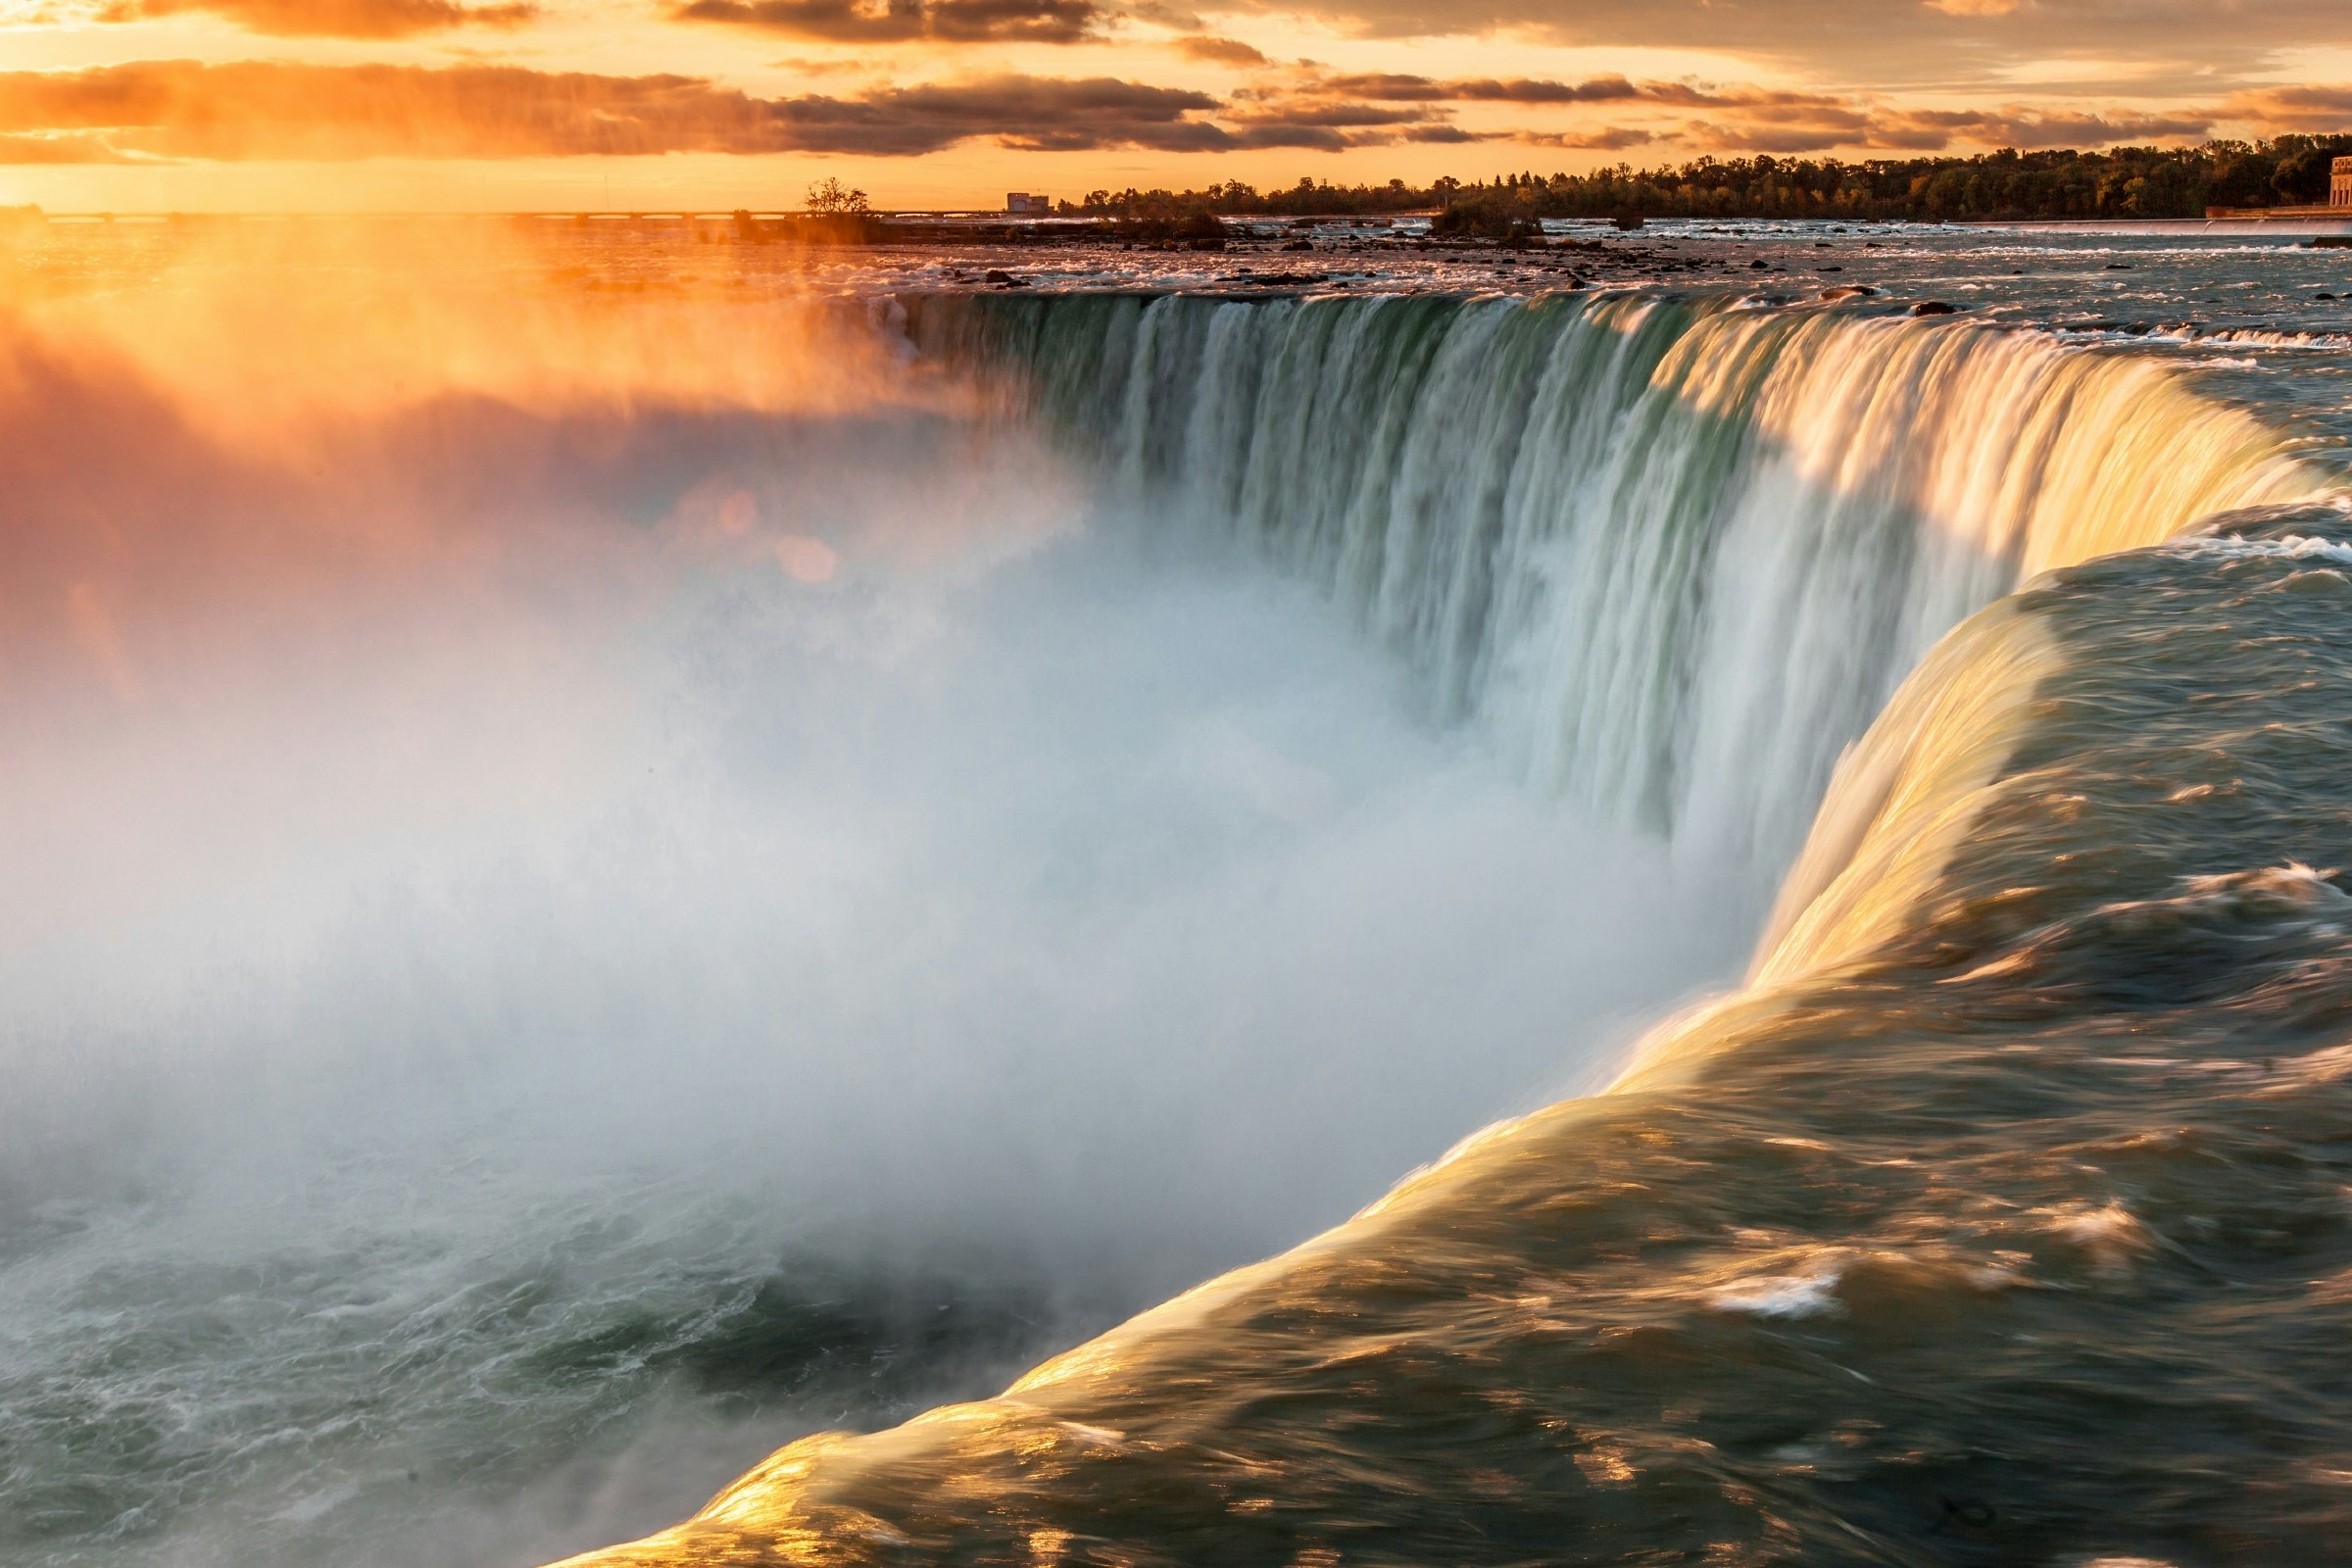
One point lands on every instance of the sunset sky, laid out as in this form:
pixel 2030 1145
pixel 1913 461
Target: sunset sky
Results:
pixel 154 105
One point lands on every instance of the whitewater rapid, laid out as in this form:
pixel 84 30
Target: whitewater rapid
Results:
pixel 1904 1254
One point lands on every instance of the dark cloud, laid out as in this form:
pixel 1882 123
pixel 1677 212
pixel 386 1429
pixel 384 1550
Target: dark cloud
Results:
pixel 263 110
pixel 1396 88
pixel 1928 130
pixel 332 19
pixel 1329 112
pixel 1608 139
pixel 1755 120
pixel 1931 131
pixel 2028 129
pixel 906 21
pixel 1316 116
pixel 1033 114
pixel 1890 43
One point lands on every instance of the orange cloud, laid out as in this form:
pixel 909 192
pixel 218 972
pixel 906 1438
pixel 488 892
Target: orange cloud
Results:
pixel 1774 121
pixel 332 19
pixel 2313 109
pixel 1888 41
pixel 906 21
pixel 285 111
pixel 1219 51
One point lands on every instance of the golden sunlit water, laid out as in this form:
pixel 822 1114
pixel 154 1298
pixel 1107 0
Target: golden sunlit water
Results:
pixel 1139 916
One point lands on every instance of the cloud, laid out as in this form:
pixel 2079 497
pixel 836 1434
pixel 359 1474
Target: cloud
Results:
pixel 279 111
pixel 1755 119
pixel 2312 109
pixel 264 110
pixel 1889 42
pixel 1219 51
pixel 332 19
pixel 1390 87
pixel 1608 139
pixel 1030 114
pixel 906 21
pixel 1160 15
pixel 1397 88
pixel 57 150
pixel 2030 128
pixel 1802 130
pixel 1330 113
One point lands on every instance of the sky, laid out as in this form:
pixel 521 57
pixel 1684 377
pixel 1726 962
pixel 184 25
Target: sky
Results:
pixel 561 105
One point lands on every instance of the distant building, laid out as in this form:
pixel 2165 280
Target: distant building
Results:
pixel 1023 203
pixel 2339 183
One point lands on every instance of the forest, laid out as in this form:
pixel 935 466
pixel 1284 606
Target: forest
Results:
pixel 2119 182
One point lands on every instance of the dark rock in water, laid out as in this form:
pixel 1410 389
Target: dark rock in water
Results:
pixel 1299 245
pixel 997 275
pixel 1848 291
pixel 1934 307
pixel 1627 220
pixel 2322 296
pixel 1759 264
pixel 2119 267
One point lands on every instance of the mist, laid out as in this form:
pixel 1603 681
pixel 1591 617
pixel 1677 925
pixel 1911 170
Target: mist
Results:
pixel 571 930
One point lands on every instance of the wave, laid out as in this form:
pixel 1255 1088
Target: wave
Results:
pixel 1998 1217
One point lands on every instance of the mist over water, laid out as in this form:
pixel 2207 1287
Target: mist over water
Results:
pixel 575 943
pixel 622 869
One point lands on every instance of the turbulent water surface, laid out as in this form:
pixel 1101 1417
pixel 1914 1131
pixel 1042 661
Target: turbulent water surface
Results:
pixel 589 936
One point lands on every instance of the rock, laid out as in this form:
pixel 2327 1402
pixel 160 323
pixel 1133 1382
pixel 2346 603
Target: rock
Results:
pixel 997 275
pixel 1934 307
pixel 1848 291
pixel 1759 264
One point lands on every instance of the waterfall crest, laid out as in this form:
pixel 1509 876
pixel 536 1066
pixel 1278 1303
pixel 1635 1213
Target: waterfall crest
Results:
pixel 1674 553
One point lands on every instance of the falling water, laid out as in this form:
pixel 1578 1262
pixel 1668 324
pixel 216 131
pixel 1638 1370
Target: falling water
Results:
pixel 1675 553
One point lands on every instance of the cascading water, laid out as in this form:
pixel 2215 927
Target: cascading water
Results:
pixel 1673 552
pixel 1958 1237
pixel 624 879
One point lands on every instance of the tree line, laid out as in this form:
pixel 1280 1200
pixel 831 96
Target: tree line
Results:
pixel 2121 182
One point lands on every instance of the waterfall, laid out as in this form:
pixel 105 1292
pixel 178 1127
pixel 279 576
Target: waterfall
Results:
pixel 1673 554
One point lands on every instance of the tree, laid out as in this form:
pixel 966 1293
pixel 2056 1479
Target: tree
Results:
pixel 830 197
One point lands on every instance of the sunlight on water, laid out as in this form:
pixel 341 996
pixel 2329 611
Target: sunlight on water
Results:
pixel 642 862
